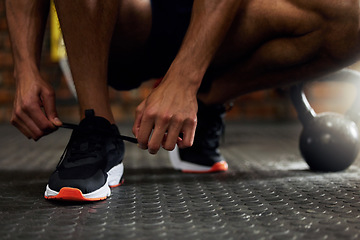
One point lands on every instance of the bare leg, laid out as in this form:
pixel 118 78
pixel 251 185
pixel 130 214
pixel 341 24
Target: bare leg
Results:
pixel 296 45
pixel 88 27
pixel 263 49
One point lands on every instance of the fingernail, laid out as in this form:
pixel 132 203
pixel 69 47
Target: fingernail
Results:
pixel 57 121
pixel 152 151
pixel 142 146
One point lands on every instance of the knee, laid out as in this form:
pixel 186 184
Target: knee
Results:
pixel 344 48
pixel 342 38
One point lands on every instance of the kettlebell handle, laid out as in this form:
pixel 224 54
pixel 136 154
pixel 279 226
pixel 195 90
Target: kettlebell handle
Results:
pixel 303 107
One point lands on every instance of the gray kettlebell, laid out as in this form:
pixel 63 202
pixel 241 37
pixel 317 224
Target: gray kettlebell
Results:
pixel 328 141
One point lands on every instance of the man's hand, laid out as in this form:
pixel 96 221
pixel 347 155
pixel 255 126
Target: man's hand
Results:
pixel 170 110
pixel 34 112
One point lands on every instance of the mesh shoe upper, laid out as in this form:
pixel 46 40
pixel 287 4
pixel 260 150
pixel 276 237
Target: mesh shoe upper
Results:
pixel 94 148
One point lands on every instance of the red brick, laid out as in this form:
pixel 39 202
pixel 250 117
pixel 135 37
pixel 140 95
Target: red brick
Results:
pixel 6 59
pixel 3 24
pixel 114 95
pixel 331 96
pixel 69 113
pixel 6 96
pixel 7 43
pixel 254 96
pixel 2 8
pixel 5 114
pixel 119 113
pixel 7 79
pixel 63 94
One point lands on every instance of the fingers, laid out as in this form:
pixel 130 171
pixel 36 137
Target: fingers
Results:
pixel 188 131
pixel 21 126
pixel 138 117
pixel 48 101
pixel 145 130
pixel 164 131
pixel 158 135
pixel 32 121
pixel 162 116
pixel 27 125
pixel 173 132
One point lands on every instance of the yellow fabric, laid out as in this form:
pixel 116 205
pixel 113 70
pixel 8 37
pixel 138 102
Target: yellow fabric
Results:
pixel 57 46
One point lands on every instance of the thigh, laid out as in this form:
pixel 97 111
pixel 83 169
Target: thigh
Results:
pixel 132 63
pixel 316 40
pixel 289 31
pixel 260 22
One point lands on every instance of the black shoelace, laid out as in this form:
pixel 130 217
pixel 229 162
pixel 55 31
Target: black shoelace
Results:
pixel 80 151
pixel 92 146
pixel 122 137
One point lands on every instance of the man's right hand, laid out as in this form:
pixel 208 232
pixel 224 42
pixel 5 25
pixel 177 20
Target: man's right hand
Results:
pixel 34 112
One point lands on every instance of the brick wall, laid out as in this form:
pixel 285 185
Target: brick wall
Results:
pixel 6 82
pixel 263 105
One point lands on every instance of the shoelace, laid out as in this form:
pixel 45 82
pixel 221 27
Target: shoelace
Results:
pixel 92 145
pixel 77 151
pixel 122 137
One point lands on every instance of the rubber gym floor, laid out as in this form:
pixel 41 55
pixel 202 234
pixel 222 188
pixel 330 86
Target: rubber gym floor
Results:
pixel 268 193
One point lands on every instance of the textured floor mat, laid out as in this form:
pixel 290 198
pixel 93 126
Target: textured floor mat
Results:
pixel 268 193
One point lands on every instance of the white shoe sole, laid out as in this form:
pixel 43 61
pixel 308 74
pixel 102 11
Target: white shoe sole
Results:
pixel 188 167
pixel 73 194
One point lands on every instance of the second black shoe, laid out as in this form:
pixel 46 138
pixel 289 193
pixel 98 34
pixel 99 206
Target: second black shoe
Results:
pixel 204 156
pixel 90 164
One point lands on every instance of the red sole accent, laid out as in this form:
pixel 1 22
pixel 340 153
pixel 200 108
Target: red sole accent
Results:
pixel 221 166
pixel 120 183
pixel 72 194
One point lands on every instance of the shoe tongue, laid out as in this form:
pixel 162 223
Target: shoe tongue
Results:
pixel 94 122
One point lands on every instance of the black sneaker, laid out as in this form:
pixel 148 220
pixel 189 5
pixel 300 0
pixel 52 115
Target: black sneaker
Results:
pixel 204 156
pixel 90 164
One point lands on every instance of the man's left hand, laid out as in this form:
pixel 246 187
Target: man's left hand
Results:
pixel 169 110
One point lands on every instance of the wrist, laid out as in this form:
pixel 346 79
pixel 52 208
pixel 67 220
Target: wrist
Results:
pixel 25 68
pixel 188 75
pixel 182 81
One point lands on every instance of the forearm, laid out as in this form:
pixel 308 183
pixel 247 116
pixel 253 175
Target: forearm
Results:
pixel 26 21
pixel 210 22
pixel 171 108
